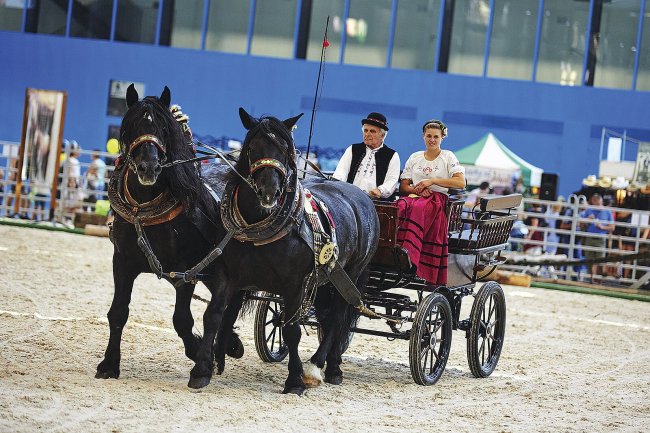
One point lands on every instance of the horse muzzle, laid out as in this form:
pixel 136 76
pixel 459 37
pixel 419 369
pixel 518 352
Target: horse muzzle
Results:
pixel 148 172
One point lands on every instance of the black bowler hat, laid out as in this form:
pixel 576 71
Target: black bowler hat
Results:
pixel 376 119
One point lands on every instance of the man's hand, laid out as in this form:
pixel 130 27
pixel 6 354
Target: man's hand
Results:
pixel 375 193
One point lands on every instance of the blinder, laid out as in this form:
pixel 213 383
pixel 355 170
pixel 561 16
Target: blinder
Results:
pixel 272 163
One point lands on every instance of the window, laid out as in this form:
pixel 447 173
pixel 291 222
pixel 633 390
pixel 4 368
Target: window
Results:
pixel 51 17
pixel 562 44
pixel 136 21
pixel 643 77
pixel 11 17
pixel 367 30
pixel 469 28
pixel 416 34
pixel 91 19
pixel 275 21
pixel 187 24
pixel 512 44
pixel 617 44
pixel 319 12
pixel 228 26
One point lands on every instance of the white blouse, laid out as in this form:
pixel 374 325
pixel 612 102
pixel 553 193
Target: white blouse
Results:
pixel 418 168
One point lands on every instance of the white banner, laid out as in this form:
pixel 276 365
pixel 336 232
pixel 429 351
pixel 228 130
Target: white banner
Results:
pixel 496 177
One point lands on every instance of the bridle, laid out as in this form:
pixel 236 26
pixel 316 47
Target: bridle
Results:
pixel 286 170
pixel 145 138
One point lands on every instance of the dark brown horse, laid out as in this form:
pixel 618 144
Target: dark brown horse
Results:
pixel 263 207
pixel 173 208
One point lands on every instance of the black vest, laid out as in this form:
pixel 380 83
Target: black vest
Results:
pixel 382 159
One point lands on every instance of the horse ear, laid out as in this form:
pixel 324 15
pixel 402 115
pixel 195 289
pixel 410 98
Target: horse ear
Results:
pixel 247 120
pixel 290 123
pixel 131 96
pixel 166 96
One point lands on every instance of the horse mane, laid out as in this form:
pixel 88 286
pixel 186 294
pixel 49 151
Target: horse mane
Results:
pixel 266 125
pixel 183 180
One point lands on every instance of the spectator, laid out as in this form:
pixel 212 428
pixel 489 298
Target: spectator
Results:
pixel 599 228
pixel 476 194
pixel 72 172
pixel 535 222
pixel 371 165
pixel 100 165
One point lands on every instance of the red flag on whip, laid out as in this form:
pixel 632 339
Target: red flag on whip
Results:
pixel 326 43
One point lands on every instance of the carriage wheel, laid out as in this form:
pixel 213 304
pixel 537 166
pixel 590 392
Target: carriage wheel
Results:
pixel 430 339
pixel 487 329
pixel 269 341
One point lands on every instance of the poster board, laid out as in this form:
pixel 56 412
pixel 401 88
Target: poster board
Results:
pixel 642 166
pixel 117 96
pixel 40 142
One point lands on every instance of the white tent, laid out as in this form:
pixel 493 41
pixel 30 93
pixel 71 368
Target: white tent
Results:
pixel 491 154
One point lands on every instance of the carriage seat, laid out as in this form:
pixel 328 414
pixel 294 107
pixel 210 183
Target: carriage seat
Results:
pixel 488 228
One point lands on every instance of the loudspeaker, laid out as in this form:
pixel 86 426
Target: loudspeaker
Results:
pixel 548 187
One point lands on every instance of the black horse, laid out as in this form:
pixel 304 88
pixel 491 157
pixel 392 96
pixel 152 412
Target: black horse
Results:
pixel 174 210
pixel 263 205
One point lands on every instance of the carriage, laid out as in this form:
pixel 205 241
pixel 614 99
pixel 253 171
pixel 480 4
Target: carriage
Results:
pixel 476 239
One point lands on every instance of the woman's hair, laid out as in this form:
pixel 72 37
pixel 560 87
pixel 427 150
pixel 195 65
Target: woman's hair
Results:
pixel 436 124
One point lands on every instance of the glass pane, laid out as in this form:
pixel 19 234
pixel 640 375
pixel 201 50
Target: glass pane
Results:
pixel 11 16
pixel 91 19
pixel 319 12
pixel 643 77
pixel 186 24
pixel 51 19
pixel 512 57
pixel 367 30
pixel 136 21
pixel 228 26
pixel 416 49
pixel 467 49
pixel 617 44
pixel 562 44
pixel 275 21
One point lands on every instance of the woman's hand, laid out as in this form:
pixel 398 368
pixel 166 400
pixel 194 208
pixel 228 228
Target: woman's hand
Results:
pixel 423 185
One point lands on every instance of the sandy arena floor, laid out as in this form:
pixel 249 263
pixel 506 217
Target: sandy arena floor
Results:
pixel 571 362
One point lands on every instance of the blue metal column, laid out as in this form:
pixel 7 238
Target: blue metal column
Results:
pixel 538 37
pixel 344 29
pixel 441 15
pixel 391 33
pixel 251 26
pixel 159 22
pixel 68 19
pixel 488 38
pixel 296 28
pixel 113 20
pixel 587 43
pixel 204 23
pixel 637 55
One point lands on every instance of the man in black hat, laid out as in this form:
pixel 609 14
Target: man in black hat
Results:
pixel 371 165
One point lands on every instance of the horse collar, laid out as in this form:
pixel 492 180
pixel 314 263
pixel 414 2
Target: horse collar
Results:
pixel 161 209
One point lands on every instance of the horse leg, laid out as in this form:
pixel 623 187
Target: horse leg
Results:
pixel 323 301
pixel 201 373
pixel 184 322
pixel 342 316
pixel 294 383
pixel 118 314
pixel 228 341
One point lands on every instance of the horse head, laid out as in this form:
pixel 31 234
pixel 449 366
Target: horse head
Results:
pixel 148 129
pixel 268 156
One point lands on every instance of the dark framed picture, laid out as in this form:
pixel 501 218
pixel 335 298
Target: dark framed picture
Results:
pixel 40 143
pixel 117 96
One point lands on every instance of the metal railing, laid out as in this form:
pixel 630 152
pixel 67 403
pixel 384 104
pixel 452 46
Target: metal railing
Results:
pixel 570 237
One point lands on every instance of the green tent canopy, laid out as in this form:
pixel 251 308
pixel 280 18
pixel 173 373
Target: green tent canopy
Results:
pixel 489 152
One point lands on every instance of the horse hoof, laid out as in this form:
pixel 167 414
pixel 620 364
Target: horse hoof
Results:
pixel 298 390
pixel 236 348
pixel 197 383
pixel 336 379
pixel 106 375
pixel 311 375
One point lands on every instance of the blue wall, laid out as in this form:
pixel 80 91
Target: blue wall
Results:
pixel 554 127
